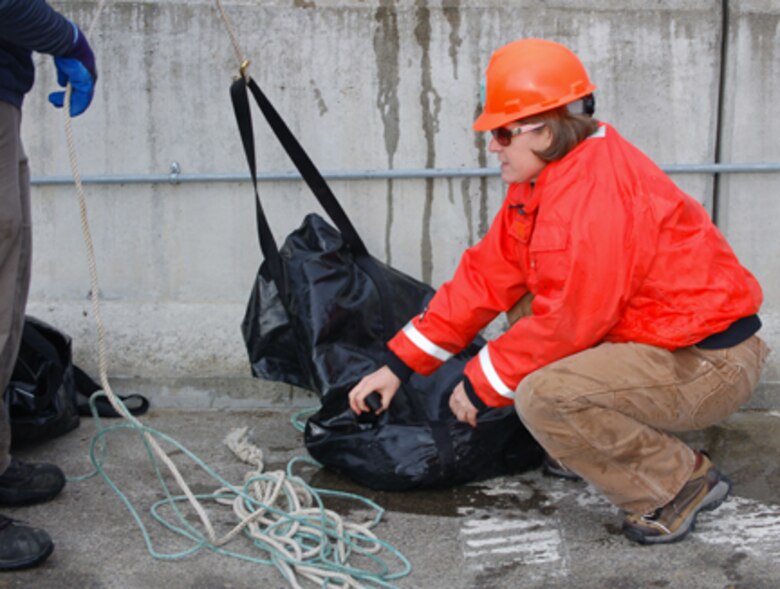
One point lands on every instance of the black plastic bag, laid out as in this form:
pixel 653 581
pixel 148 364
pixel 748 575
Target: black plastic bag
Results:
pixel 48 393
pixel 336 327
pixel 319 316
pixel 418 442
pixel 41 396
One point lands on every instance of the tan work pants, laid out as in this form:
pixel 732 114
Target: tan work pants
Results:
pixel 606 412
pixel 15 253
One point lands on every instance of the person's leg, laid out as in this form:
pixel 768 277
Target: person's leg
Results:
pixel 21 546
pixel 550 466
pixel 605 412
pixel 15 253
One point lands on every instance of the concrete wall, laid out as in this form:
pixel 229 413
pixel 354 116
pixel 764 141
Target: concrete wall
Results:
pixel 751 126
pixel 373 84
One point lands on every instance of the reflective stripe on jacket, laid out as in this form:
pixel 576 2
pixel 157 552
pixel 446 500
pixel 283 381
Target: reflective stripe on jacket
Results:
pixel 611 249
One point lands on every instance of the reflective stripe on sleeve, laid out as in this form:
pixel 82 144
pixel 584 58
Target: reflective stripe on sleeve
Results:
pixel 492 376
pixel 426 345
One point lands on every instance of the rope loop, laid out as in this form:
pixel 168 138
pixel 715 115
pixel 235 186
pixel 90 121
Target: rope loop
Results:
pixel 278 512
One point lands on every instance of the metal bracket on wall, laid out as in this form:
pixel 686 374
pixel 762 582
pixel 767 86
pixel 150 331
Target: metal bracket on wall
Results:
pixel 175 171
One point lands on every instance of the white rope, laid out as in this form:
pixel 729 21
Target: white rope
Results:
pixel 286 507
pixel 100 327
pixel 101 334
pixel 242 61
pixel 283 503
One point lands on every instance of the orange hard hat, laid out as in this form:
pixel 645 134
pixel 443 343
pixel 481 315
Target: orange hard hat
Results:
pixel 527 77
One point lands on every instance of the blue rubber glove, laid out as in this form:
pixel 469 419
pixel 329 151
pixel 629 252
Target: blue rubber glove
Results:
pixel 76 67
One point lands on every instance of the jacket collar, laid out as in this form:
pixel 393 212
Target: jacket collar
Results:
pixel 533 192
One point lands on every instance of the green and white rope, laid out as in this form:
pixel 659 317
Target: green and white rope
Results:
pixel 281 515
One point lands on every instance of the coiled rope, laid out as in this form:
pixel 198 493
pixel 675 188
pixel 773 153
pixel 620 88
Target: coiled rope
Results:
pixel 279 512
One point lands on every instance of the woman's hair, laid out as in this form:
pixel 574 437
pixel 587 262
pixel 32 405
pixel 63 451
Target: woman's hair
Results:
pixel 567 130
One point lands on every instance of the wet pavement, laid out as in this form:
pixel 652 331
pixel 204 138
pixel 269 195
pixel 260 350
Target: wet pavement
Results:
pixel 525 531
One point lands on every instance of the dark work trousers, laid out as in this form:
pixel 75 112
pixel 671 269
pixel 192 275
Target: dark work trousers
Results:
pixel 15 253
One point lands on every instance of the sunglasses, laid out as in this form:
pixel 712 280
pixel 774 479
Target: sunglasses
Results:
pixel 504 136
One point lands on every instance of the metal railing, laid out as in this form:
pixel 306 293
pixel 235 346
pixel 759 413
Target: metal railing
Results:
pixel 175 176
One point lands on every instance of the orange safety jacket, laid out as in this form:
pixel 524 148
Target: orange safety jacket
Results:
pixel 611 249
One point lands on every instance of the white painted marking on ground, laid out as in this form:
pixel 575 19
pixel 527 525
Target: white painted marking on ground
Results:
pixel 493 525
pixel 591 498
pixel 496 541
pixel 536 541
pixel 528 539
pixel 745 524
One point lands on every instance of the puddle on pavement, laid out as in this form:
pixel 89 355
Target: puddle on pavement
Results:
pixel 442 502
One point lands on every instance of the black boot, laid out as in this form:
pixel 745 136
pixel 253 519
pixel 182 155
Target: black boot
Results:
pixel 23 484
pixel 555 468
pixel 22 546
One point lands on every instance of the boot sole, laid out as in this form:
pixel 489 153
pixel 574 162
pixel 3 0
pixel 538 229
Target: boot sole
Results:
pixel 712 500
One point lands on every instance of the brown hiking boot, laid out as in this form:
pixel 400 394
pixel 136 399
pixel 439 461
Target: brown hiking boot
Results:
pixel 704 491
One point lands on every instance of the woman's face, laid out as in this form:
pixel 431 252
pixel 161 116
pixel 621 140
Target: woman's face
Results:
pixel 518 161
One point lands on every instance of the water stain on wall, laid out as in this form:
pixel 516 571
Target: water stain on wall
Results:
pixel 468 213
pixel 481 145
pixel 453 15
pixel 450 193
pixel 386 50
pixel 323 108
pixel 430 101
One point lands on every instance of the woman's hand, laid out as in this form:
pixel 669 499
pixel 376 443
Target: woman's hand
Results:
pixel 461 407
pixel 383 381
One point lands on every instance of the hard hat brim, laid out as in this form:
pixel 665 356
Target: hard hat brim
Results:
pixel 489 121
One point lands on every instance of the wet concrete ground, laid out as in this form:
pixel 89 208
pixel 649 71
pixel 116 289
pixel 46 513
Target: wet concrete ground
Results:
pixel 525 531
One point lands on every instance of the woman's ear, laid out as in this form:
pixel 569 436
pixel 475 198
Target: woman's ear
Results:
pixel 545 139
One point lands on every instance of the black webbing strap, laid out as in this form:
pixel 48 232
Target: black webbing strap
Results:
pixel 316 183
pixel 442 437
pixel 267 243
pixel 298 155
